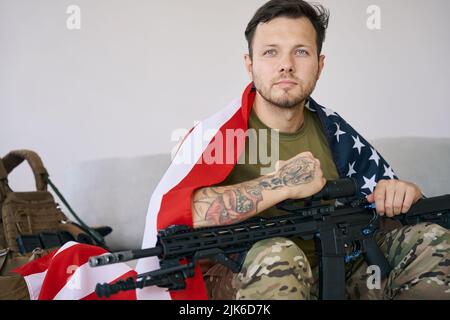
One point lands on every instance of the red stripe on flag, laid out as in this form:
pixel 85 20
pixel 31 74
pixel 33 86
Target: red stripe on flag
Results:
pixel 36 266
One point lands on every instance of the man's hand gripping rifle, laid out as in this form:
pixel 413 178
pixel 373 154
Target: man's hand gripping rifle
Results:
pixel 341 233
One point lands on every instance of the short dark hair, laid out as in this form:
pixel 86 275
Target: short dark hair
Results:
pixel 316 13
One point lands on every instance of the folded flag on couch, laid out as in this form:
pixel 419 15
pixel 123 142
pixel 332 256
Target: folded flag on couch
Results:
pixel 65 274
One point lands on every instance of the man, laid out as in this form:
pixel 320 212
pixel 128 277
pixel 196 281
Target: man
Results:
pixel 315 144
pixel 284 62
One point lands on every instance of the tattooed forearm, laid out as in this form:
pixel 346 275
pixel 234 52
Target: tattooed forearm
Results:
pixel 232 204
pixel 219 206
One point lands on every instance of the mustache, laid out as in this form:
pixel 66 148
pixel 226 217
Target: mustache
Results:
pixel 287 78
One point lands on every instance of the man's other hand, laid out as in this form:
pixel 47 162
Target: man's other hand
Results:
pixel 393 197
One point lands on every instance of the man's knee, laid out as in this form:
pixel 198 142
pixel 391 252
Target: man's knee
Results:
pixel 429 241
pixel 274 268
pixel 275 249
pixel 430 230
pixel 422 263
pixel 424 235
pixel 419 255
pixel 417 238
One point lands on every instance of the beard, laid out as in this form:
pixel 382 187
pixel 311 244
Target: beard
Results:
pixel 288 99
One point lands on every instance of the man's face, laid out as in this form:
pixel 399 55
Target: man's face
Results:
pixel 285 65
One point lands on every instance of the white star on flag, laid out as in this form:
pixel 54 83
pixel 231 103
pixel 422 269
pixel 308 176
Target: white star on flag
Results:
pixel 375 157
pixel 351 170
pixel 358 145
pixel 329 112
pixel 369 183
pixel 338 132
pixel 388 172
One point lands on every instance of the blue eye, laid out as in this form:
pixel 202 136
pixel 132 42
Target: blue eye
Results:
pixel 302 52
pixel 269 52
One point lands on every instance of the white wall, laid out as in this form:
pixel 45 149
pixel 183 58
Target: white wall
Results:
pixel 137 70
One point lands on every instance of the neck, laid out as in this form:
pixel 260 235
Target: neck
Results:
pixel 285 120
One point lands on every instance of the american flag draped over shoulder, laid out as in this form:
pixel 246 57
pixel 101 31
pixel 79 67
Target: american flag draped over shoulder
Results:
pixel 48 277
pixel 353 155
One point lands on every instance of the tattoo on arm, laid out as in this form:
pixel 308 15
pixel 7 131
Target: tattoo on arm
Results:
pixel 225 205
pixel 300 171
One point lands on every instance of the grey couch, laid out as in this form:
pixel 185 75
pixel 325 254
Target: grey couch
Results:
pixel 117 192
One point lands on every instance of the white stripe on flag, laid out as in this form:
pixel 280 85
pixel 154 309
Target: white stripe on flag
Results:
pixel 85 278
pixel 34 283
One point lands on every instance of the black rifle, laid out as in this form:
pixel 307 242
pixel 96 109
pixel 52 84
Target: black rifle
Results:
pixel 340 233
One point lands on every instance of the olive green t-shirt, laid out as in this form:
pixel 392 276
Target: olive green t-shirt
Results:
pixel 310 137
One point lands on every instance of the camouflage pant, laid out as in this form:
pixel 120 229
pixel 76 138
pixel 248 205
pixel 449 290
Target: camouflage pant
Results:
pixel 278 269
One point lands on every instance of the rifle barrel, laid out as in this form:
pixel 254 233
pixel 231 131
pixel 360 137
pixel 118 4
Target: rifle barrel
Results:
pixel 123 256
